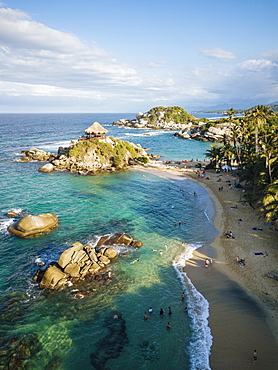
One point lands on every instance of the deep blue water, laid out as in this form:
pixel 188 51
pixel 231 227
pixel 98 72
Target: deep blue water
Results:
pixel 66 333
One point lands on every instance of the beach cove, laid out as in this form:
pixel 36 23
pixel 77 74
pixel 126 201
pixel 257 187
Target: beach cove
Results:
pixel 243 301
pixel 63 331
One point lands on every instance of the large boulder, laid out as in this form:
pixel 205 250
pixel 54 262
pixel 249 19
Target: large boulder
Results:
pixel 119 238
pixel 48 167
pixel 66 257
pixel 32 225
pixel 111 253
pixel 53 278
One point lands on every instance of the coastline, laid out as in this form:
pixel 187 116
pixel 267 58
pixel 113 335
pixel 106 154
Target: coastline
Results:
pixel 243 301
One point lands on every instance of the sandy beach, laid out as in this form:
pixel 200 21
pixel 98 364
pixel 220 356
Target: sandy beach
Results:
pixel 243 299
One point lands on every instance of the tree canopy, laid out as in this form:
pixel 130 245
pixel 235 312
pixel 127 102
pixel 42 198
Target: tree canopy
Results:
pixel 253 146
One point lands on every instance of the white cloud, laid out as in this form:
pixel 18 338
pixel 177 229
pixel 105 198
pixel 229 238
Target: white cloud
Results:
pixel 35 54
pixel 218 53
pixel 19 31
pixel 44 67
pixel 256 64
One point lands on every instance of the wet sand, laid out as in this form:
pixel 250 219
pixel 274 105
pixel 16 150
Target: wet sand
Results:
pixel 243 300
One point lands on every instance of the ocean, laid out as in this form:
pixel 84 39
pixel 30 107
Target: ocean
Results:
pixel 43 329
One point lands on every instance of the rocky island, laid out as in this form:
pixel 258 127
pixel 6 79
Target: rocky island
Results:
pixel 92 153
pixel 79 261
pixel 177 119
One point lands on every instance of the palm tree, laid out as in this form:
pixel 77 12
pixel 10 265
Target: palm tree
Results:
pixel 230 113
pixel 258 115
pixel 270 202
pixel 215 155
pixel 269 144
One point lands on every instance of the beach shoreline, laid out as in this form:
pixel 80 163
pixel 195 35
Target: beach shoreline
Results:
pixel 243 300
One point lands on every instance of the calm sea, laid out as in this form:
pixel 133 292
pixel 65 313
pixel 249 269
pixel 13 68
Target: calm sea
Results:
pixel 55 330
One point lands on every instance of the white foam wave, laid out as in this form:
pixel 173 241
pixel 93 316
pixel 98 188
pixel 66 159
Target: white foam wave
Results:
pixel 198 310
pixel 32 291
pixel 16 210
pixel 148 133
pixel 205 213
pixel 54 146
pixel 4 224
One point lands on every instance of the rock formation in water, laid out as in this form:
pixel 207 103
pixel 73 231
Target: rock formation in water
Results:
pixel 89 155
pixel 159 118
pixel 176 118
pixel 78 261
pixel 31 225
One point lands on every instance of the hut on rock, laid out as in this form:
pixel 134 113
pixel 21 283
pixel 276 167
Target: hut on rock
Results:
pixel 95 130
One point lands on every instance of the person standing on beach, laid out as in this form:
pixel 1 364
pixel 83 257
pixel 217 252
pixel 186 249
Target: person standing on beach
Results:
pixel 255 356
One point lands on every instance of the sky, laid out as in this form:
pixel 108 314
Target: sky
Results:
pixel 128 56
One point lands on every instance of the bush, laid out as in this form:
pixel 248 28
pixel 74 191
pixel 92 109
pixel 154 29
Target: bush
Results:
pixel 143 159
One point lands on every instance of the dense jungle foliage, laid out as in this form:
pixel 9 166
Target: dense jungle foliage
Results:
pixel 253 147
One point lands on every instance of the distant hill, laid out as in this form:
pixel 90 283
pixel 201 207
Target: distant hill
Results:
pixel 273 106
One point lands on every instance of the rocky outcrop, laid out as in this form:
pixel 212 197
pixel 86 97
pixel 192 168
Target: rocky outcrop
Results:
pixel 88 156
pixel 32 225
pixel 78 261
pixel 159 118
pixel 204 131
pixel 175 118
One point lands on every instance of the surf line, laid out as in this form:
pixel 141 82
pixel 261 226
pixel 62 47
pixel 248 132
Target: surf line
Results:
pixel 205 213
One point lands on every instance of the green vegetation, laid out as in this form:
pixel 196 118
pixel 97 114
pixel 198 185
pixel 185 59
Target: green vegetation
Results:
pixel 118 153
pixel 254 148
pixel 175 114
pixel 143 159
pixel 81 148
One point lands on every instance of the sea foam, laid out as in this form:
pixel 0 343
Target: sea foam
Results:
pixel 198 310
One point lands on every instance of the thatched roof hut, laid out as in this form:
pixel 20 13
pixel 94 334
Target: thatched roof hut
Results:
pixel 96 130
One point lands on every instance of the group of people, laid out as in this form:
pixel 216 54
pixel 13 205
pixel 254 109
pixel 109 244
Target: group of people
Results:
pixel 161 311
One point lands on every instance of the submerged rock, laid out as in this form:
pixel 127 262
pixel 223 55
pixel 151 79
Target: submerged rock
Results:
pixel 18 349
pixel 32 225
pixel 112 344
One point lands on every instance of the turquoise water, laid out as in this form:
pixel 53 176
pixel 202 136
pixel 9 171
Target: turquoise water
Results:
pixel 54 330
